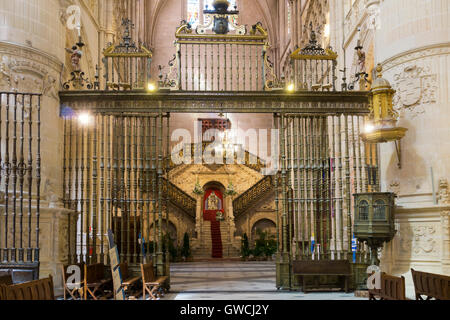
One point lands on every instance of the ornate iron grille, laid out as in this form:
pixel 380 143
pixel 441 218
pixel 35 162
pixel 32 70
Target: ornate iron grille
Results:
pixel 20 179
pixel 114 169
pixel 322 161
pixel 313 68
pixel 221 62
pixel 127 65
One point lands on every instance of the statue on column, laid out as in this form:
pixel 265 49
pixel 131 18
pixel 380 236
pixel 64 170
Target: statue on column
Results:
pixel 361 58
pixel 75 57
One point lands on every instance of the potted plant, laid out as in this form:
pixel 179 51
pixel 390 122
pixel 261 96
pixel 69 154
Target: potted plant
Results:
pixel 230 190
pixel 198 190
pixel 219 216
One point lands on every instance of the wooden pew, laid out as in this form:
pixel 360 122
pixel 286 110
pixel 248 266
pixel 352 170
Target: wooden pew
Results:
pixel 150 283
pixel 94 280
pixel 392 288
pixel 77 291
pixel 128 281
pixel 33 290
pixel 431 285
pixel 5 280
pixel 309 268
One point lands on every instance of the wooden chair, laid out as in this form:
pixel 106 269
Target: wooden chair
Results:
pixel 392 288
pixel 150 283
pixel 77 291
pixel 5 281
pixel 94 280
pixel 431 285
pixel 3 294
pixel 128 281
pixel 33 290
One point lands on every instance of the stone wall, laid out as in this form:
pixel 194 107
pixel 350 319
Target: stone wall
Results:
pixel 410 40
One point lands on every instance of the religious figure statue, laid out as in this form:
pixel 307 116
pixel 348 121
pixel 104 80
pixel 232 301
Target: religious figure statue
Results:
pixel 361 58
pixel 213 202
pixel 75 57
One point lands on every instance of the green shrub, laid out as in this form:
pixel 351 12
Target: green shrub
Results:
pixel 265 245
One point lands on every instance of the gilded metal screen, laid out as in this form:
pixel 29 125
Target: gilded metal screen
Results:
pixel 221 62
pixel 20 179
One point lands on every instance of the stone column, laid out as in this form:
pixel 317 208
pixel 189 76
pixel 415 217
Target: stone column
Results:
pixel 337 35
pixel 199 218
pixel 445 224
pixel 32 50
pixel 55 224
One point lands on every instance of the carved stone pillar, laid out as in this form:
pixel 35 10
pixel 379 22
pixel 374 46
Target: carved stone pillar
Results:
pixel 55 225
pixel 199 218
pixel 445 225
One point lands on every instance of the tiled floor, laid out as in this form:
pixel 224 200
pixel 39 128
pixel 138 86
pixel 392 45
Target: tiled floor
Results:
pixel 232 280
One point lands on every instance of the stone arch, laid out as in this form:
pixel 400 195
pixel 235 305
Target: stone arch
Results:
pixel 173 229
pixel 264 223
pixel 214 184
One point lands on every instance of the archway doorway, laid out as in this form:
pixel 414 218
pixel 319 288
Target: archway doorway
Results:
pixel 213 209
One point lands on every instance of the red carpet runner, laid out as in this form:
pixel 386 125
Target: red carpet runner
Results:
pixel 216 239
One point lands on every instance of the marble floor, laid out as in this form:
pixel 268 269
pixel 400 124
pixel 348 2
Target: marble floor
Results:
pixel 235 280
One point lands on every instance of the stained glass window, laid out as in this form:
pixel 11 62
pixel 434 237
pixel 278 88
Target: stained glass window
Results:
pixel 193 12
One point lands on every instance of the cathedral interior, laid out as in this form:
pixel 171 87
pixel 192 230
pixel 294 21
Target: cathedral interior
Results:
pixel 308 135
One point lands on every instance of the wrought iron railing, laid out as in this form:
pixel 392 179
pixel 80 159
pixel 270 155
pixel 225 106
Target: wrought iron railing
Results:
pixel 20 179
pixel 127 65
pixel 221 62
pixel 313 68
pixel 180 198
pixel 246 200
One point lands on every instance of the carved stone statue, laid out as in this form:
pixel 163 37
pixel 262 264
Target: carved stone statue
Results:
pixel 361 58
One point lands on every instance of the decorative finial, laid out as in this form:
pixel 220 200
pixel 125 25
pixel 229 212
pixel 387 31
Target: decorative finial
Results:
pixel 379 70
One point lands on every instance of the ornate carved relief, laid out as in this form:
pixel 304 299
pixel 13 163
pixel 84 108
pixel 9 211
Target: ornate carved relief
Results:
pixel 416 86
pixel 23 70
pixel 445 222
pixel 418 240
pixel 394 186
pixel 443 192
